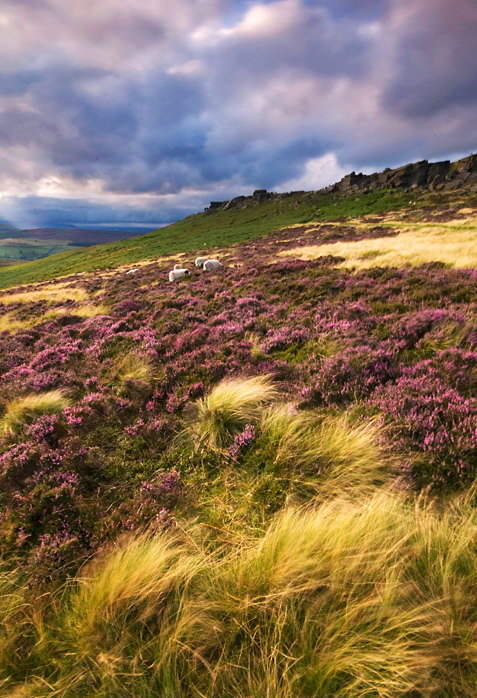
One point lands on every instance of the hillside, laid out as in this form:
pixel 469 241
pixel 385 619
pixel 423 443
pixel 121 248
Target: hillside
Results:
pixel 249 218
pixel 258 482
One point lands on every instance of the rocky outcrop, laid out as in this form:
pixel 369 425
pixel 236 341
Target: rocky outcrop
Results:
pixel 428 175
pixel 435 176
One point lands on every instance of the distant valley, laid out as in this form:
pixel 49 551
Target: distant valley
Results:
pixel 33 243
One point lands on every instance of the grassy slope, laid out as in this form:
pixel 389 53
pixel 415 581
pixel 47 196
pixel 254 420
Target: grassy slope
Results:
pixel 205 231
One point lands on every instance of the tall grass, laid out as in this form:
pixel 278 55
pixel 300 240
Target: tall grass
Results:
pixel 16 626
pixel 368 598
pixel 229 406
pixel 134 366
pixel 23 410
pixel 343 451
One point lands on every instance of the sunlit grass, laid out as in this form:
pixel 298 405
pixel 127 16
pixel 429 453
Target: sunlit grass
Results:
pixel 343 598
pixel 52 293
pixel 454 243
pixel 23 410
pixel 85 310
pixel 134 366
pixel 333 442
pixel 229 406
pixel 9 322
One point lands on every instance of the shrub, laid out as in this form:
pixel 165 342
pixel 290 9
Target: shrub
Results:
pixel 434 426
pixel 352 375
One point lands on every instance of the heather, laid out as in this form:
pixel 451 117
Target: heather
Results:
pixel 241 455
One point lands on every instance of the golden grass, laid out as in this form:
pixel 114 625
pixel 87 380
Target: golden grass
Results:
pixel 134 366
pixel 228 408
pixel 254 339
pixel 23 410
pixel 372 597
pixel 345 453
pixel 85 310
pixel 56 293
pixel 454 243
pixel 10 323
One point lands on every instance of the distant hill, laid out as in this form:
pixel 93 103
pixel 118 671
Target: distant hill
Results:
pixel 34 243
pixel 249 218
pixel 82 237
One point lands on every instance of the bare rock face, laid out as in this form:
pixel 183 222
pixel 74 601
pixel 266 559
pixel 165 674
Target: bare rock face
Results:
pixel 444 175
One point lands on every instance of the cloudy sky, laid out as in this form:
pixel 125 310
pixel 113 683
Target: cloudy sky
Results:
pixel 141 111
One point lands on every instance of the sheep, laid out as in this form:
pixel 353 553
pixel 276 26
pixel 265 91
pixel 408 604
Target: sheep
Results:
pixel 211 264
pixel 199 262
pixel 132 271
pixel 178 273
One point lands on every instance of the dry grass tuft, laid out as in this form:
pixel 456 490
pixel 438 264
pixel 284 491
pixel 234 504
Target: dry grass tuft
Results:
pixel 344 452
pixel 23 410
pixel 134 366
pixel 371 597
pixel 229 406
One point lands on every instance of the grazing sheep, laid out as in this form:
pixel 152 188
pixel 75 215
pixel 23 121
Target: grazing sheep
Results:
pixel 211 264
pixel 199 262
pixel 178 273
pixel 132 271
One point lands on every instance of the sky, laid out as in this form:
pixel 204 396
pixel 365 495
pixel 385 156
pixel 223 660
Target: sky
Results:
pixel 139 112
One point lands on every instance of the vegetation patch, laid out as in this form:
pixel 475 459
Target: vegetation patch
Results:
pixel 257 482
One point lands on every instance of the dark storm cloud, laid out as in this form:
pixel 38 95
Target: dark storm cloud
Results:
pixel 196 101
pixel 435 59
pixel 307 40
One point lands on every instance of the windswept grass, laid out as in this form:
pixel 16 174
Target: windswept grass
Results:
pixel 367 598
pixel 229 406
pixel 23 410
pixel 455 245
pixel 133 366
pixel 334 444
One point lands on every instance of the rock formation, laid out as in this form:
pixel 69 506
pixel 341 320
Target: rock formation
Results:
pixel 444 175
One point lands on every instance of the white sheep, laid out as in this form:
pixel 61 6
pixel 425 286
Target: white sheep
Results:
pixel 178 273
pixel 199 262
pixel 211 264
pixel 132 271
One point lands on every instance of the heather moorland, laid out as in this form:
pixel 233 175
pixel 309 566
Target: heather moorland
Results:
pixel 253 482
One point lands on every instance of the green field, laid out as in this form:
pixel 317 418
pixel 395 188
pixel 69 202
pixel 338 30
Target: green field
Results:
pixel 30 250
pixel 204 232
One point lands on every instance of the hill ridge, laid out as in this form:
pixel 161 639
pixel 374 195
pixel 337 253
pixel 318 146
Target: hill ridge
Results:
pixel 443 175
pixel 201 232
